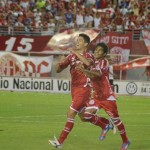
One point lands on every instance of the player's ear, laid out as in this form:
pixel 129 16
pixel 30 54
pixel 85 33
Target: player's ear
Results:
pixel 86 44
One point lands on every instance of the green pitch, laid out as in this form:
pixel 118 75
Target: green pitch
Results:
pixel 28 120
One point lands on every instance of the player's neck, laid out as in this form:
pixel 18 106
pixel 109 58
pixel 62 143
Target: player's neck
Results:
pixel 81 50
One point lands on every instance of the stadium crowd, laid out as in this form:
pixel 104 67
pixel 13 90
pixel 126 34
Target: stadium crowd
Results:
pixel 48 15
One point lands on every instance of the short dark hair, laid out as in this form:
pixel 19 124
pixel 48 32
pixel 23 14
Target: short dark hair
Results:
pixel 104 46
pixel 85 37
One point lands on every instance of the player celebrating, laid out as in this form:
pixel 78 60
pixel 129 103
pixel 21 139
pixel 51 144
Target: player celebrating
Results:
pixel 80 88
pixel 104 96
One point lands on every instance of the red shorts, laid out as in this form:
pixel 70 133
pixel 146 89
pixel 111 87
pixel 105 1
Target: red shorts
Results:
pixel 110 107
pixel 80 96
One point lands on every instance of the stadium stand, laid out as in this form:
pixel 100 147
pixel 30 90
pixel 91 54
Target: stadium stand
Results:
pixel 46 17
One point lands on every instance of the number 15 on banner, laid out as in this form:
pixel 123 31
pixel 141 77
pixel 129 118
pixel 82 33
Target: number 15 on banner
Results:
pixel 24 45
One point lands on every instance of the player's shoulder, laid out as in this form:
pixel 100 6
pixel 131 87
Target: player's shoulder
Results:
pixel 71 56
pixel 89 55
pixel 105 60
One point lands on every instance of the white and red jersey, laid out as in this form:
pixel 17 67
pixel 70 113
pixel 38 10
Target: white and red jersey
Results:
pixel 78 78
pixel 101 85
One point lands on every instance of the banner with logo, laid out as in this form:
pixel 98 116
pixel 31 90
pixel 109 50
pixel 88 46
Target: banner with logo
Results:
pixel 136 63
pixel 52 85
pixel 146 37
pixel 15 65
pixel 119 44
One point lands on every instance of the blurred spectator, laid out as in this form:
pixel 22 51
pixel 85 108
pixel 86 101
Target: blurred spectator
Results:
pixel 60 5
pixel 40 4
pixel 66 4
pixel 59 17
pixel 123 4
pixel 3 3
pixel 104 4
pixel 111 10
pixel 132 17
pixel 106 21
pixel 79 19
pixel 29 18
pixel 129 25
pixel 24 4
pixel 124 11
pixel 138 25
pixel 119 23
pixel 48 5
pixel 46 15
pixel 98 4
pixel 19 22
pixel 136 9
pixel 51 24
pixel 97 20
pixel 53 9
pixel 88 18
pixel 31 4
pixel 69 18
pixel 37 19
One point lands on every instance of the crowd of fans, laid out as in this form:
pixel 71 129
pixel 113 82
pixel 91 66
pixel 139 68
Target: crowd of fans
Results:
pixel 48 15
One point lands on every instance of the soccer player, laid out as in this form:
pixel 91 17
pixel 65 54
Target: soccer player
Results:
pixel 80 88
pixel 103 96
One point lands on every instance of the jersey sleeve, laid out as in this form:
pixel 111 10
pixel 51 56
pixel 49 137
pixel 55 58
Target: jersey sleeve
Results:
pixel 103 67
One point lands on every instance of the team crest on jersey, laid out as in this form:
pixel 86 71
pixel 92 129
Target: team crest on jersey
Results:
pixel 91 102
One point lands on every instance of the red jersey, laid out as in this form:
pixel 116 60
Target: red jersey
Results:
pixel 101 85
pixel 78 78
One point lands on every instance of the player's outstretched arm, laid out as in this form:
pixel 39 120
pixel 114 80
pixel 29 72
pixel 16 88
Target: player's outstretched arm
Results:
pixel 60 65
pixel 58 68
